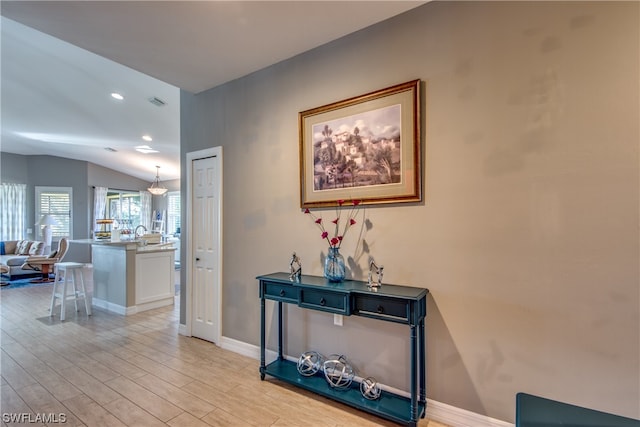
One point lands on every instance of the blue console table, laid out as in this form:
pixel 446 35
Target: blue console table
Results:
pixel 390 303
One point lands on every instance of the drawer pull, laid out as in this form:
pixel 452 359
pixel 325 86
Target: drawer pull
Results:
pixel 282 292
pixel 380 309
pixel 323 302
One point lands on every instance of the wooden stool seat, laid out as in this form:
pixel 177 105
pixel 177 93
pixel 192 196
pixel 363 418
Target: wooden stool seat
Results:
pixel 65 276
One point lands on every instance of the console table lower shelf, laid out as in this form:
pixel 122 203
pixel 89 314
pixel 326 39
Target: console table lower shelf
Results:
pixel 390 406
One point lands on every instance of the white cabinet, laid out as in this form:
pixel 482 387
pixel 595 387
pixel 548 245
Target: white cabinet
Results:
pixel 155 279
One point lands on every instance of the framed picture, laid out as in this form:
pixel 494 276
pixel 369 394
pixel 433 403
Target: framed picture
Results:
pixel 364 148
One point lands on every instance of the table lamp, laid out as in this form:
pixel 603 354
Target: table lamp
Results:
pixel 46 222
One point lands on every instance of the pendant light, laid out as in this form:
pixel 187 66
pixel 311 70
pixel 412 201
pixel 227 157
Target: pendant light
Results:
pixel 156 188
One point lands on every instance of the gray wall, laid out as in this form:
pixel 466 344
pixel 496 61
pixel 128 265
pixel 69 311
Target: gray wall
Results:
pixel 528 234
pixel 99 176
pixel 13 168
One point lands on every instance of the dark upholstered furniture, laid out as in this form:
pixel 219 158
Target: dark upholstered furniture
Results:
pixel 534 411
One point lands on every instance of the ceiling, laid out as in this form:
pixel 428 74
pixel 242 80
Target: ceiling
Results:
pixel 61 60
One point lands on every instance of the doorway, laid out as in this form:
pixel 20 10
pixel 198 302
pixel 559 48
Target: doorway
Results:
pixel 204 247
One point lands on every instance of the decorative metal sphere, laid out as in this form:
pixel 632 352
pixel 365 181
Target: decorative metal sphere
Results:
pixel 338 372
pixel 310 363
pixel 370 389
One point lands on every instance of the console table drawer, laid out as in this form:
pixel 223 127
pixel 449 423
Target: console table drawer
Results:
pixel 390 309
pixel 280 292
pixel 334 302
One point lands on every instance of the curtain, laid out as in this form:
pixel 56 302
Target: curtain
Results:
pixel 13 211
pixel 99 205
pixel 145 209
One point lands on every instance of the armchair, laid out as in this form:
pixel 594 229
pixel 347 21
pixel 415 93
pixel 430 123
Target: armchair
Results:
pixel 45 264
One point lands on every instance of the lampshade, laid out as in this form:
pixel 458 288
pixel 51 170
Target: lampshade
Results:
pixel 156 188
pixel 47 220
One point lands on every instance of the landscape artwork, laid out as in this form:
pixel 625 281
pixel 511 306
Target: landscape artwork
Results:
pixel 358 150
pixel 364 148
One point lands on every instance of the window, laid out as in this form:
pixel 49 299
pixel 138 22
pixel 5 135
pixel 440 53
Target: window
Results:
pixel 173 212
pixel 124 205
pixel 57 202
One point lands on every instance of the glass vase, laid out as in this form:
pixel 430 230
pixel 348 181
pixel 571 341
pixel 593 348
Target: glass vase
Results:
pixel 334 268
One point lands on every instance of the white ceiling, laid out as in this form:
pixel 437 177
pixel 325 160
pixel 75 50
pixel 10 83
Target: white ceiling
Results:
pixel 56 94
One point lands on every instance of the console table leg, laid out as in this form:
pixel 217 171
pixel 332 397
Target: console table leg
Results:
pixel 423 358
pixel 262 339
pixel 280 356
pixel 414 379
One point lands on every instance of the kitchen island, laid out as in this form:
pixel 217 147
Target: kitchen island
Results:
pixel 129 277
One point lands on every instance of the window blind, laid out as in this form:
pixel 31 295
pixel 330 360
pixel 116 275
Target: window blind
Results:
pixel 57 203
pixel 173 212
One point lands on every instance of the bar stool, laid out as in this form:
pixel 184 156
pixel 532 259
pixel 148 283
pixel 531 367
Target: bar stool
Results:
pixel 65 275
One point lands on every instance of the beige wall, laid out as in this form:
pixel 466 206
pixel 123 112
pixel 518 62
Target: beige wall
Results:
pixel 528 234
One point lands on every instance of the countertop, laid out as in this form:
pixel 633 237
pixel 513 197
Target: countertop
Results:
pixel 130 244
pixel 160 247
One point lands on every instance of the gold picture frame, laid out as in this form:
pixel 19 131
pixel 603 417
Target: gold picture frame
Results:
pixel 365 148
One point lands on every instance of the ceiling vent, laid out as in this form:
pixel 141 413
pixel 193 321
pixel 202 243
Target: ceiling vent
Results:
pixel 157 101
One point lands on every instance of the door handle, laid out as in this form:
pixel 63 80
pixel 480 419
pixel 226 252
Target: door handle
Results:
pixel 323 302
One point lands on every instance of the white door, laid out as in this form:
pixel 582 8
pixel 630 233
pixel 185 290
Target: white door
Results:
pixel 205 248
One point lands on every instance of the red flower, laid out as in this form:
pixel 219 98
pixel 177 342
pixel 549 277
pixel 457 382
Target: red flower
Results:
pixel 339 230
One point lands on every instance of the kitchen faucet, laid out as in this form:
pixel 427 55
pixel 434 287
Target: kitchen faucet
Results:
pixel 135 232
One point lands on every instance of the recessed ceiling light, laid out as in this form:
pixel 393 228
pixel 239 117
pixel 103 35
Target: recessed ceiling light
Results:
pixel 147 138
pixel 145 149
pixel 117 96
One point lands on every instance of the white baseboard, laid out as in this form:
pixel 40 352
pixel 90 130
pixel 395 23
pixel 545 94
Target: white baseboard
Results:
pixel 436 411
pixel 456 417
pixel 127 311
pixel 114 308
pixel 154 303
pixel 252 351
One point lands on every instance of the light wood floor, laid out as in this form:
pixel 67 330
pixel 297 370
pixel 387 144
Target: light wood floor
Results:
pixel 111 370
